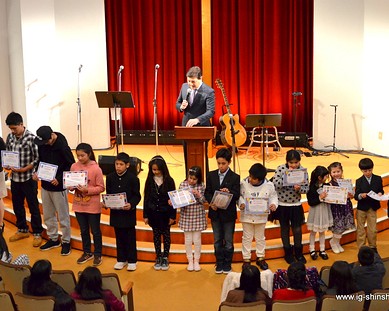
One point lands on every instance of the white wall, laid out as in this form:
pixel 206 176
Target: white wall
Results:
pixel 55 37
pixel 350 59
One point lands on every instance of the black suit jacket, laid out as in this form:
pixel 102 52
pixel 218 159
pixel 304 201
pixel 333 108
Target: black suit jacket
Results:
pixel 232 182
pixel 203 106
pixel 363 186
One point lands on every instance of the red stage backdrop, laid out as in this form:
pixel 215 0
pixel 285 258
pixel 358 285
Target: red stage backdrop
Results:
pixel 262 50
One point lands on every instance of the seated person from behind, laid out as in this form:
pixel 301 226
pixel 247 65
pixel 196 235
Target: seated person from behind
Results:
pixel 250 289
pixel 39 283
pixel 89 287
pixel 341 280
pixel 297 284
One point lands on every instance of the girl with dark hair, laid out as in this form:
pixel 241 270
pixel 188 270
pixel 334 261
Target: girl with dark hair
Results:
pixel 89 287
pixel 192 217
pixel 86 203
pixel 39 283
pixel 157 208
pixel 341 280
pixel 320 216
pixel 250 289
pixel 297 288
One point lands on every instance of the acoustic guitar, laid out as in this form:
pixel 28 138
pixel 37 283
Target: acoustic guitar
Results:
pixel 225 121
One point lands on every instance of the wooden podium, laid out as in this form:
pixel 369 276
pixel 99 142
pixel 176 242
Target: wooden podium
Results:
pixel 195 138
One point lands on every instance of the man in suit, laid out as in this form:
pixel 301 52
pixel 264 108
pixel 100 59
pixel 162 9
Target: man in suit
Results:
pixel 197 101
pixel 223 218
pixel 367 207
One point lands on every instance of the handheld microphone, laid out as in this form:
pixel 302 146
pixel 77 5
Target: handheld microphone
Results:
pixel 157 66
pixel 79 68
pixel 297 93
pixel 120 69
pixel 188 91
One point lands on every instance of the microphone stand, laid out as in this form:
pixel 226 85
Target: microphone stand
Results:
pixel 79 106
pixel 334 149
pixel 120 113
pixel 233 141
pixel 295 103
pixel 155 122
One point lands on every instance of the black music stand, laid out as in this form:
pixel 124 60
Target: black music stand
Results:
pixel 115 100
pixel 264 121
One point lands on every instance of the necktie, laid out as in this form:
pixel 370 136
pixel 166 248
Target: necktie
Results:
pixel 191 97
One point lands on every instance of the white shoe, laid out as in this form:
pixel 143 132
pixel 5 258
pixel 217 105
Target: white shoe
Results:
pixel 131 267
pixel 341 249
pixel 190 266
pixel 120 265
pixel 197 267
pixel 334 247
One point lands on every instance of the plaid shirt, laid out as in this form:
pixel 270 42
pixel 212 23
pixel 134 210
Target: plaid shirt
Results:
pixel 28 152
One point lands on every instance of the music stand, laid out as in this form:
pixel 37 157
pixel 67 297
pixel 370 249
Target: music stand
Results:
pixel 115 100
pixel 264 121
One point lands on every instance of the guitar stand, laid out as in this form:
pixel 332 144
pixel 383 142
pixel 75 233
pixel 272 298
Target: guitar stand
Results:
pixel 334 149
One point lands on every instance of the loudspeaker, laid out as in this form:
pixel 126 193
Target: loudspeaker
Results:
pixel 107 164
pixel 287 139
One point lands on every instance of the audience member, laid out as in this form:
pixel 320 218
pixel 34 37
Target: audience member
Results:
pixel 341 280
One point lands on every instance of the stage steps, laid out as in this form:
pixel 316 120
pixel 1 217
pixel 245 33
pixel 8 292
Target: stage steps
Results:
pixel 177 252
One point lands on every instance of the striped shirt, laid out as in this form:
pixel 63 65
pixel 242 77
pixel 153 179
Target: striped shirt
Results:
pixel 28 152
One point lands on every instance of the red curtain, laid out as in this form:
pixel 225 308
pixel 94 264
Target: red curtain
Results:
pixel 262 50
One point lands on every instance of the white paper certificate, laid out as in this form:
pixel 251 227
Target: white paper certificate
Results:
pixel 295 177
pixel 375 196
pixel 221 199
pixel 256 206
pixel 115 201
pixel 47 171
pixel 346 183
pixel 181 197
pixel 10 158
pixel 75 178
pixel 335 195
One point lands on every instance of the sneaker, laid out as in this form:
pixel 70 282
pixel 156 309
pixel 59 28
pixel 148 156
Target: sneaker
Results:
pixel 157 265
pixel 196 267
pixel 120 265
pixel 261 263
pixel 84 258
pixel 131 267
pixel 97 261
pixel 227 268
pixel 66 249
pixel 323 255
pixel 37 241
pixel 165 264
pixel 50 244
pixel 334 246
pixel 18 236
pixel 313 255
pixel 218 269
pixel 190 266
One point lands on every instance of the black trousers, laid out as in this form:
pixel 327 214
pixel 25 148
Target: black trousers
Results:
pixel 126 244
pixel 91 222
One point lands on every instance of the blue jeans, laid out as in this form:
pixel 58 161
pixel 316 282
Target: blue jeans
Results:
pixel 223 233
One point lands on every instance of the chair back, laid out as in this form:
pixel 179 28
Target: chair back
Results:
pixel 329 303
pixel 306 304
pixel 325 274
pixel 90 305
pixel 28 303
pixel 13 276
pixel 385 280
pixel 111 281
pixel 65 279
pixel 7 302
pixel 381 301
pixel 250 306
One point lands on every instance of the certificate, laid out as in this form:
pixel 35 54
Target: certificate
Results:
pixel 10 158
pixel 115 201
pixel 375 196
pixel 256 206
pixel 346 183
pixel 221 199
pixel 335 195
pixel 47 171
pixel 75 178
pixel 295 177
pixel 181 197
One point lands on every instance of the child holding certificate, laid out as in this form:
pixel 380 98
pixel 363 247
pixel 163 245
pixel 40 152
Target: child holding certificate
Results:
pixel 320 216
pixel 342 213
pixel 192 217
pixel 86 203
pixel 123 219
pixel 290 211
pixel 157 208
pixel 257 197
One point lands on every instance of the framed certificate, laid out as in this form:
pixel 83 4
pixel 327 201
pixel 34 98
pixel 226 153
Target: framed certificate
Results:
pixel 181 197
pixel 75 178
pixel 115 201
pixel 10 158
pixel 47 171
pixel 295 177
pixel 256 206
pixel 335 195
pixel 221 199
